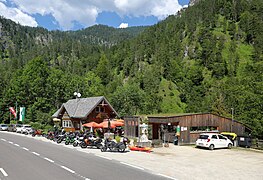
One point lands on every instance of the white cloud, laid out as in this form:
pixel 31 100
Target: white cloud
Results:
pixel 17 15
pixel 123 25
pixel 86 11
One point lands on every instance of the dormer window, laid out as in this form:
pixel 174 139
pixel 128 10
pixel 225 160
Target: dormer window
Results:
pixel 99 109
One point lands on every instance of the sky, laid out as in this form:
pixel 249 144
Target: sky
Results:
pixel 77 14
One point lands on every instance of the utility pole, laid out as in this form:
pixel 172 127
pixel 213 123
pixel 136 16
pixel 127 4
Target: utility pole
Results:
pixel 232 112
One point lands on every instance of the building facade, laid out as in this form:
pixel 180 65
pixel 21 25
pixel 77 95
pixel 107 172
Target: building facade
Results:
pixel 75 112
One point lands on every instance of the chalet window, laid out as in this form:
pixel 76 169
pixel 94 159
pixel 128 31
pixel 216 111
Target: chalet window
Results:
pixel 66 123
pixel 100 109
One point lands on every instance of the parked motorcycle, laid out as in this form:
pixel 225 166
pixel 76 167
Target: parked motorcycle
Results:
pixel 69 139
pixel 112 145
pixel 78 141
pixel 61 137
pixel 37 132
pixel 91 141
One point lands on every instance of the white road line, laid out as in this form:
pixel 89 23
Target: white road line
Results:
pixel 25 149
pixel 68 169
pixel 137 167
pixel 16 145
pixel 10 142
pixel 3 172
pixel 169 177
pixel 50 160
pixel 35 153
pixel 3 139
pixel 103 157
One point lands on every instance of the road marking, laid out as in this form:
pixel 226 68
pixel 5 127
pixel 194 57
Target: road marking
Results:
pixel 16 145
pixel 3 172
pixel 25 149
pixel 3 139
pixel 50 160
pixel 68 169
pixel 35 153
pixel 137 167
pixel 10 142
pixel 103 157
pixel 169 177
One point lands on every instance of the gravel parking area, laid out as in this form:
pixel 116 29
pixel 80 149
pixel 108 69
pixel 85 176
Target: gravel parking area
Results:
pixel 188 162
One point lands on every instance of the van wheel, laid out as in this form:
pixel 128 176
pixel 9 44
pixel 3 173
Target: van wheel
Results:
pixel 229 146
pixel 212 147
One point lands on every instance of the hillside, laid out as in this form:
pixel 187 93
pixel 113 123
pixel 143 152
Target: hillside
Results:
pixel 207 59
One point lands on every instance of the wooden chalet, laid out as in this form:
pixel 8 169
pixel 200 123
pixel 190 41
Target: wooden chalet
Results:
pixel 185 127
pixel 75 112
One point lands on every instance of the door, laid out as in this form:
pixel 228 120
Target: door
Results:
pixel 222 141
pixel 215 141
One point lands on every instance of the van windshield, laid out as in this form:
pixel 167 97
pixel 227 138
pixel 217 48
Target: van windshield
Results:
pixel 203 136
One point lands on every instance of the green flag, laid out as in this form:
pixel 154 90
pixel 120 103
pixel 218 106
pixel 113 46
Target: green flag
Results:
pixel 22 114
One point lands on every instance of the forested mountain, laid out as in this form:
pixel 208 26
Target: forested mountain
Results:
pixel 207 59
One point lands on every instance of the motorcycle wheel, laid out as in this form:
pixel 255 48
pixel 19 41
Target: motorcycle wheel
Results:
pixel 99 146
pixel 33 135
pixel 121 148
pixel 66 143
pixel 75 144
pixel 83 145
pixel 59 141
pixel 103 149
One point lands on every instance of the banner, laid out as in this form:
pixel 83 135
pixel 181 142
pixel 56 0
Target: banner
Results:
pixel 22 114
pixel 13 111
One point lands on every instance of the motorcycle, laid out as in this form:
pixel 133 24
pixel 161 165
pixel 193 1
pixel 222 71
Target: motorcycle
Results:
pixel 112 145
pixel 37 132
pixel 61 137
pixel 78 141
pixel 91 141
pixel 69 139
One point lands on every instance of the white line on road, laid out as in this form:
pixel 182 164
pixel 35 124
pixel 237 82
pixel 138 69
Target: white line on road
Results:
pixel 3 172
pixel 10 142
pixel 137 167
pixel 3 139
pixel 35 153
pixel 103 157
pixel 50 160
pixel 25 149
pixel 16 145
pixel 169 177
pixel 68 169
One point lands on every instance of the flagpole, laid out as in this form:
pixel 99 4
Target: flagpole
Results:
pixel 16 110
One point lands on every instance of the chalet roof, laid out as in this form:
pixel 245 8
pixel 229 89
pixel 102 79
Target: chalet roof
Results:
pixel 81 107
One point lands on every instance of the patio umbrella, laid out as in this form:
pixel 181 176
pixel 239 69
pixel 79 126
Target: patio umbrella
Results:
pixel 119 120
pixel 117 123
pixel 106 124
pixel 92 125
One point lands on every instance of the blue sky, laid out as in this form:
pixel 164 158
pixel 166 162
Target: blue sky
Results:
pixel 77 14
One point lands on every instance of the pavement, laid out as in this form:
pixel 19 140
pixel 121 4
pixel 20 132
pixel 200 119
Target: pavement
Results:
pixel 188 162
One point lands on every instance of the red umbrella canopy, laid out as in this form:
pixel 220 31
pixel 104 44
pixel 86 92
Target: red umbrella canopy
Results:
pixel 117 123
pixel 92 124
pixel 105 124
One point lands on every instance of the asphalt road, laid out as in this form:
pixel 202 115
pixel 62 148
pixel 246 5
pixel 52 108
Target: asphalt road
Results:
pixel 23 158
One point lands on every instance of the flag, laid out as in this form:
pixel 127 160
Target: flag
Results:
pixel 13 111
pixel 22 114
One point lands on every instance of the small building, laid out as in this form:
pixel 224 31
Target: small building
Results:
pixel 185 127
pixel 75 112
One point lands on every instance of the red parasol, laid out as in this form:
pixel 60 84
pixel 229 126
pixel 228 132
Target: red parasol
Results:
pixel 117 123
pixel 105 124
pixel 92 124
